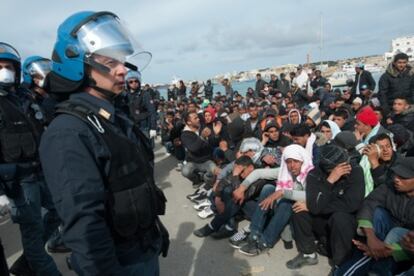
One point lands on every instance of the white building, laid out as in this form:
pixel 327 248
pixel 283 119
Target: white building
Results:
pixel 403 44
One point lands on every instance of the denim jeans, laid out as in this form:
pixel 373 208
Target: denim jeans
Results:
pixel 269 224
pixel 230 209
pixel 191 169
pixel 360 264
pixel 36 229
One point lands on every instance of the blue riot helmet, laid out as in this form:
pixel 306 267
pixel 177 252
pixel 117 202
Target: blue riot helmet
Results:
pixel 133 75
pixel 9 78
pixel 36 66
pixel 130 77
pixel 85 35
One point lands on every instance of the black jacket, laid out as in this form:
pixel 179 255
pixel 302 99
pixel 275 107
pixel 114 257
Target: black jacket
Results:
pixel 393 83
pixel 406 118
pixel 365 78
pixel 198 149
pixel 398 204
pixel 249 132
pixel 346 195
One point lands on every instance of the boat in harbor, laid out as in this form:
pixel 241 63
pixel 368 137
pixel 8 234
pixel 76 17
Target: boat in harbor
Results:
pixel 339 78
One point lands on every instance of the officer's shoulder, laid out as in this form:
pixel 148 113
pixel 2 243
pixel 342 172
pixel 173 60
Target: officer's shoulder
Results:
pixel 66 122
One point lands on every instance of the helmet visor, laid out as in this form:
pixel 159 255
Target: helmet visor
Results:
pixel 40 67
pixel 8 51
pixel 106 36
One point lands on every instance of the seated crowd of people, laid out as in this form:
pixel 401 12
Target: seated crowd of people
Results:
pixel 331 170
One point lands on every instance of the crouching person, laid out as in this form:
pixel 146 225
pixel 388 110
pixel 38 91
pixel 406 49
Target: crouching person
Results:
pixel 334 192
pixel 275 206
pixel 388 206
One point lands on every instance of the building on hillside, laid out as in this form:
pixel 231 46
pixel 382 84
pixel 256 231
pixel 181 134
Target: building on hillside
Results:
pixel 403 44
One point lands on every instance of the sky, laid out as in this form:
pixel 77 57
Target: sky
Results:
pixel 196 40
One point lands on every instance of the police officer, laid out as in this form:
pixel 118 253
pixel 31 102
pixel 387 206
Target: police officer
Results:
pixel 20 173
pixel 35 70
pixel 142 106
pixel 98 165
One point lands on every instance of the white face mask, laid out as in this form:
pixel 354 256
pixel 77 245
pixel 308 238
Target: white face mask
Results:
pixel 41 83
pixel 6 75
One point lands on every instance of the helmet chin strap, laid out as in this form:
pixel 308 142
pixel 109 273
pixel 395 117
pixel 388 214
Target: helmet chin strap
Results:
pixel 108 94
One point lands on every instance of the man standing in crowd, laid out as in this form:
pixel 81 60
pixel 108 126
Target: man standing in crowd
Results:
pixel 260 84
pixel 398 80
pixel 105 163
pixel 363 78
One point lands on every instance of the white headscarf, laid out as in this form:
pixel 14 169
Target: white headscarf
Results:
pixel 334 128
pixel 297 152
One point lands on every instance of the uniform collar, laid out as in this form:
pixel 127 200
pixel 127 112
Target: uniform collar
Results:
pixel 100 106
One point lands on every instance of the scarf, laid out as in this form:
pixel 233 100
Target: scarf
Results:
pixel 285 180
pixel 334 128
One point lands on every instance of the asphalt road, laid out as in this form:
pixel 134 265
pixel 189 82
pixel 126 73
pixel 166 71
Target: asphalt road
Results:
pixel 189 255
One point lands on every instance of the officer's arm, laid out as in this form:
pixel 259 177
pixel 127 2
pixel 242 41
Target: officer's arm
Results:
pixel 151 109
pixel 77 189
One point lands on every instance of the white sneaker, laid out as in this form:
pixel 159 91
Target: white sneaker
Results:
pixel 206 213
pixel 239 236
pixel 167 154
pixel 202 205
pixel 179 167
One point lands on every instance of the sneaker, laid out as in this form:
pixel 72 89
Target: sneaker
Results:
pixel 253 248
pixel 239 239
pixel 302 260
pixel 179 167
pixel 196 193
pixel 21 267
pixel 202 205
pixel 199 198
pixel 206 213
pixel 197 185
pixel 223 233
pixel 203 231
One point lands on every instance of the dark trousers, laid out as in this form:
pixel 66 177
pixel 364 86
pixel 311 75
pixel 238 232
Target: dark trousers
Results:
pixel 360 264
pixel 338 228
pixel 4 270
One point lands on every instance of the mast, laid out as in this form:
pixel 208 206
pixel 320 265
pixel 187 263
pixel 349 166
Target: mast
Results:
pixel 321 39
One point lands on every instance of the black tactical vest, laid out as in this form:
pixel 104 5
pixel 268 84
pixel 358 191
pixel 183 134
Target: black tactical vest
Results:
pixel 133 201
pixel 18 138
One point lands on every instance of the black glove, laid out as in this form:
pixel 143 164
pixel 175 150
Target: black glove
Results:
pixel 165 236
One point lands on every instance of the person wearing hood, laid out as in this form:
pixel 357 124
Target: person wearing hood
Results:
pixel 334 193
pixel 293 118
pixel 275 206
pixel 367 126
pixel 274 142
pixel 313 118
pixel 402 113
pixel 329 130
pixel 398 80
